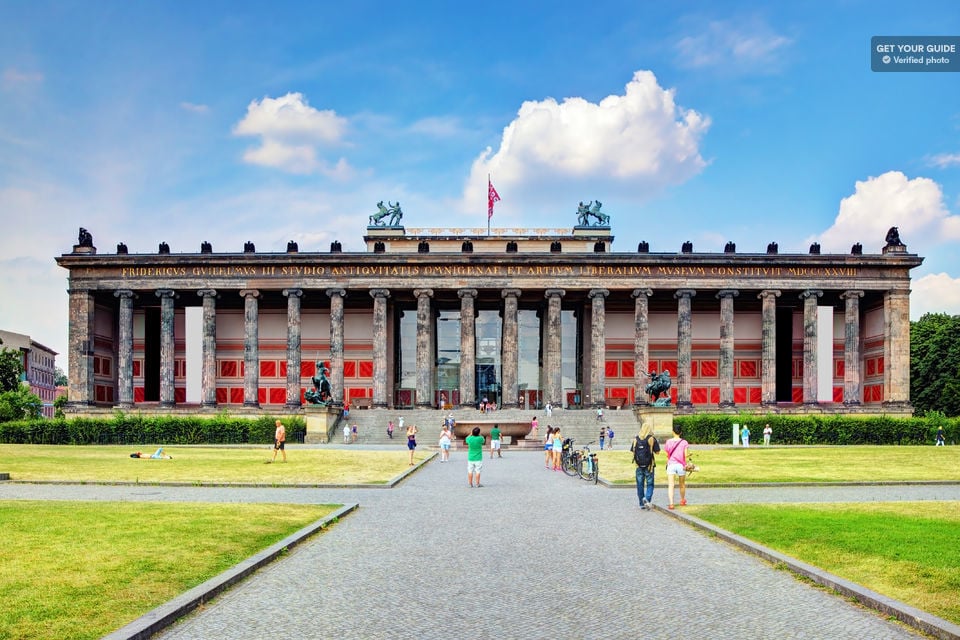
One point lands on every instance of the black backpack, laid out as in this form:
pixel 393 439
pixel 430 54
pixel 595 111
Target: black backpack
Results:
pixel 642 453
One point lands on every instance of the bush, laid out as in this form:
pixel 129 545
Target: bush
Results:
pixel 125 428
pixel 19 404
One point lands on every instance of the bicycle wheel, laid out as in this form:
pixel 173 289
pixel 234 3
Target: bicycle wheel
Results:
pixel 570 464
pixel 596 470
pixel 586 468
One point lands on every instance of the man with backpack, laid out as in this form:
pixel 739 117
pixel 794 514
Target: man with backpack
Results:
pixel 644 448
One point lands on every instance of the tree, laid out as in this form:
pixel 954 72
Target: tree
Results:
pixel 11 369
pixel 59 377
pixel 935 364
pixel 19 404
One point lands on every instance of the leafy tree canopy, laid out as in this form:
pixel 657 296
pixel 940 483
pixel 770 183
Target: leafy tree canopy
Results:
pixel 11 369
pixel 935 364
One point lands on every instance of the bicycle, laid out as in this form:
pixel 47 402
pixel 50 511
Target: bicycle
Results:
pixel 588 466
pixel 569 458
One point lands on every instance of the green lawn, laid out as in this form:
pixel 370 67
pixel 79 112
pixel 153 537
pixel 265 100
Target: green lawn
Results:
pixel 84 569
pixel 905 550
pixel 202 465
pixel 799 464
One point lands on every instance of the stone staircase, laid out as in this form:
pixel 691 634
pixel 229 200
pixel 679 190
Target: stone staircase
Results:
pixel 580 424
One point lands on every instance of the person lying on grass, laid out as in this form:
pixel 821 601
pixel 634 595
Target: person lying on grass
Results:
pixel 157 455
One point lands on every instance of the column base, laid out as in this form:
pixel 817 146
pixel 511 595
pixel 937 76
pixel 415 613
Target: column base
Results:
pixel 167 404
pixel 252 405
pixel 424 406
pixel 851 403
pixel 684 404
pixel 209 405
pixel 124 405
pixel 293 405
pixel 727 405
pixel 380 405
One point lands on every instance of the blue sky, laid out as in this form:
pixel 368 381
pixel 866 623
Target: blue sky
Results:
pixel 232 121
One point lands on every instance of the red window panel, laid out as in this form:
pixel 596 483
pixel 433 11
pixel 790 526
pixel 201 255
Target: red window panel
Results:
pixel 283 369
pixel 243 368
pixel 740 395
pixel 349 369
pixel 714 395
pixel 96 365
pixel 303 395
pixel 308 369
pixel 179 394
pixel 699 395
pixel 618 392
pixel 748 368
pixel 137 368
pixel 797 394
pixel 756 395
pixel 673 395
pixel 105 367
pixel 228 368
pixel 838 394
pixel 101 393
pixel 611 369
pixel 236 395
pixel 708 368
pixel 356 392
pixel 278 395
pixel 871 367
pixel 222 395
pixel 405 398
pixel 876 393
pixel 880 366
pixel 138 394
pixel 669 365
pixel 268 368
pixel 653 365
pixel 627 369
pixel 797 368
pixel 366 369
pixel 695 369
pixel 838 368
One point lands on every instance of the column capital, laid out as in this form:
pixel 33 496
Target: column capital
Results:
pixel 598 293
pixel 249 293
pixel 811 293
pixel 292 293
pixel 767 293
pixel 75 290
pixel 336 292
pixel 851 294
pixel 420 293
pixel 685 293
pixel 467 293
pixel 165 293
pixel 898 292
pixel 124 293
pixel 379 293
pixel 550 293
pixel 515 293
pixel 207 293
pixel 642 292
pixel 728 293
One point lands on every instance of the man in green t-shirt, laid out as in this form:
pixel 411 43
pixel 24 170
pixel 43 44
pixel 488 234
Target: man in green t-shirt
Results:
pixel 495 441
pixel 474 456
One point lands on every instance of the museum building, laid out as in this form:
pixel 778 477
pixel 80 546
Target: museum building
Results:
pixel 520 317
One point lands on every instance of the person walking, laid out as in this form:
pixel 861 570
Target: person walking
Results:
pixel 676 448
pixel 599 414
pixel 474 456
pixel 495 441
pixel 533 427
pixel 645 448
pixel 412 440
pixel 603 436
pixel 279 439
pixel 445 443
pixel 767 432
pixel 609 437
pixel 390 429
pixel 745 436
pixel 548 447
pixel 941 438
pixel 354 433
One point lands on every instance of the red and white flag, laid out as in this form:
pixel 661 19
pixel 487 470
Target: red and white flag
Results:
pixel 492 196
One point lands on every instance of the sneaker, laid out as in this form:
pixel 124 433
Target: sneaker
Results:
pixel 479 485
pixel 670 507
pixel 683 503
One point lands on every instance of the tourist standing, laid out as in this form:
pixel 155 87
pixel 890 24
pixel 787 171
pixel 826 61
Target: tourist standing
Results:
pixel 609 438
pixel 676 448
pixel 767 432
pixel 400 423
pixel 745 436
pixel 279 439
pixel 445 443
pixel 644 448
pixel 390 429
pixel 599 414
pixel 474 456
pixel 548 447
pixel 548 410
pixel 557 448
pixel 495 441
pixel 603 437
pixel 353 433
pixel 533 427
pixel 443 401
pixel 412 440
pixel 346 433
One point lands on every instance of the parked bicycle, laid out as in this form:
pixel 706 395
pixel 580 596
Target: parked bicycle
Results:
pixel 588 466
pixel 569 458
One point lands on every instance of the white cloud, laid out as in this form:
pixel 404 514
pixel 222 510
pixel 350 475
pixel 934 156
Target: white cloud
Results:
pixel 944 160
pixel 640 140
pixel 891 200
pixel 934 293
pixel 290 132
pixel 194 108
pixel 742 45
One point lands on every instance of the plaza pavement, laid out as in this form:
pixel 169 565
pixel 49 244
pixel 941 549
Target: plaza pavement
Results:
pixel 531 554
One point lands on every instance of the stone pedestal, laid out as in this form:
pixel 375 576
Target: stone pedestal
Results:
pixel 659 418
pixel 320 422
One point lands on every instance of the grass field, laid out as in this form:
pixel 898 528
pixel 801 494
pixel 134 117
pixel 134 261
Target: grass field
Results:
pixel 799 464
pixel 905 550
pixel 83 569
pixel 203 465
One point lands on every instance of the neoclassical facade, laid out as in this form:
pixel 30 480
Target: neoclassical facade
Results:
pixel 520 317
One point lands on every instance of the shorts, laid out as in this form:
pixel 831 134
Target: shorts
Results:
pixel 494 444
pixel 445 446
pixel 278 445
pixel 411 444
pixel 676 469
pixel 474 466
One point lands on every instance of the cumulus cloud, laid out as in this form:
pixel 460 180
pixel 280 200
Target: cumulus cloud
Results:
pixel 291 132
pixel 934 293
pixel 891 200
pixel 641 139
pixel 742 45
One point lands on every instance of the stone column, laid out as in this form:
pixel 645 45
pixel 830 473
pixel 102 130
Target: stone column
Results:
pixel 641 344
pixel 424 357
pixel 510 359
pixel 125 349
pixel 726 345
pixel 768 357
pixel 167 396
pixel 852 382
pixel 208 379
pixel 80 358
pixel 809 298
pixel 553 361
pixel 468 348
pixel 598 345
pixel 684 345
pixel 336 345
pixel 379 347
pixel 896 348
pixel 251 348
pixel 294 335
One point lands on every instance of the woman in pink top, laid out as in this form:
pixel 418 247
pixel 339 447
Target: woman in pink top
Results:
pixel 676 448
